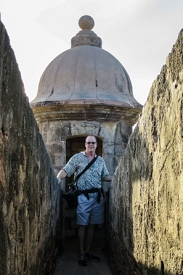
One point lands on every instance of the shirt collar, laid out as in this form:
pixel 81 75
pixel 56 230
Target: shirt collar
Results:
pixel 84 153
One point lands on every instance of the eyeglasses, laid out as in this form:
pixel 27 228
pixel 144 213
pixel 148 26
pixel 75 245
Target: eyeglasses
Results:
pixel 90 142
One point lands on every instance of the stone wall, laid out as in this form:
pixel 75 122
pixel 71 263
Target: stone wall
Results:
pixel 115 136
pixel 146 203
pixel 29 193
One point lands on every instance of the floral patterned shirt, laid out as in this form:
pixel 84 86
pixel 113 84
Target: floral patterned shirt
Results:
pixel 92 177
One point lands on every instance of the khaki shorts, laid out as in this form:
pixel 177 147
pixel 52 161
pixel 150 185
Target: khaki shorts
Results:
pixel 90 211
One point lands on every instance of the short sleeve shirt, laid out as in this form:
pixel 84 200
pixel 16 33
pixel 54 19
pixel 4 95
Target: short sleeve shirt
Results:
pixel 90 178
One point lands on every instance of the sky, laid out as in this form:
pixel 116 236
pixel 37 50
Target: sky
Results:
pixel 139 33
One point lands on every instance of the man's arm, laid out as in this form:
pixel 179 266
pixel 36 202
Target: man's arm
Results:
pixel 62 174
pixel 108 178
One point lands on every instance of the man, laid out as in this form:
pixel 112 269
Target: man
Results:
pixel 90 209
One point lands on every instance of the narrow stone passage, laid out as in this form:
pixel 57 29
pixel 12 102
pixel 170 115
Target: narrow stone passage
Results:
pixel 67 263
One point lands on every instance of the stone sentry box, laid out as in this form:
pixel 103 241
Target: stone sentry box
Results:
pixel 85 91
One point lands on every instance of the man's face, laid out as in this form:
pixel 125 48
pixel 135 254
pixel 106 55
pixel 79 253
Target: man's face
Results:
pixel 90 144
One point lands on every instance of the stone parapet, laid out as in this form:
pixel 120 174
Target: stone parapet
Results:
pixel 29 194
pixel 146 202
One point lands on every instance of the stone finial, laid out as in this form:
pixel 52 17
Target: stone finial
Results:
pixel 86 36
pixel 86 22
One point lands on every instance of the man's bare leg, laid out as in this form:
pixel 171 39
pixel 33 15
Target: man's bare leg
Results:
pixel 81 236
pixel 89 236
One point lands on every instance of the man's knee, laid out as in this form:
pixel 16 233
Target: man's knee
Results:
pixel 91 225
pixel 82 228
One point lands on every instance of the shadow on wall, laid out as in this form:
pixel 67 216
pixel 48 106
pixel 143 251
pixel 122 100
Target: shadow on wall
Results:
pixel 122 225
pixel 124 262
pixel 155 271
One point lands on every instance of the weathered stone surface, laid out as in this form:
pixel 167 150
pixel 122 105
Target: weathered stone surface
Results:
pixel 146 202
pixel 29 193
pixel 55 134
pixel 85 83
pixel 86 36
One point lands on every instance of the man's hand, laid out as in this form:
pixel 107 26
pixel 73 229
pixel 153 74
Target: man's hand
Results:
pixel 61 175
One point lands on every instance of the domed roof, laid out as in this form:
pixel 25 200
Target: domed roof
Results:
pixel 86 76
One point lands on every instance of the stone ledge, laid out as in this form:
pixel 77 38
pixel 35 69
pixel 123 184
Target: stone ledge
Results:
pixel 52 112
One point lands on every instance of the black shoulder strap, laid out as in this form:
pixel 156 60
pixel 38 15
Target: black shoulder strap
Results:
pixel 86 168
